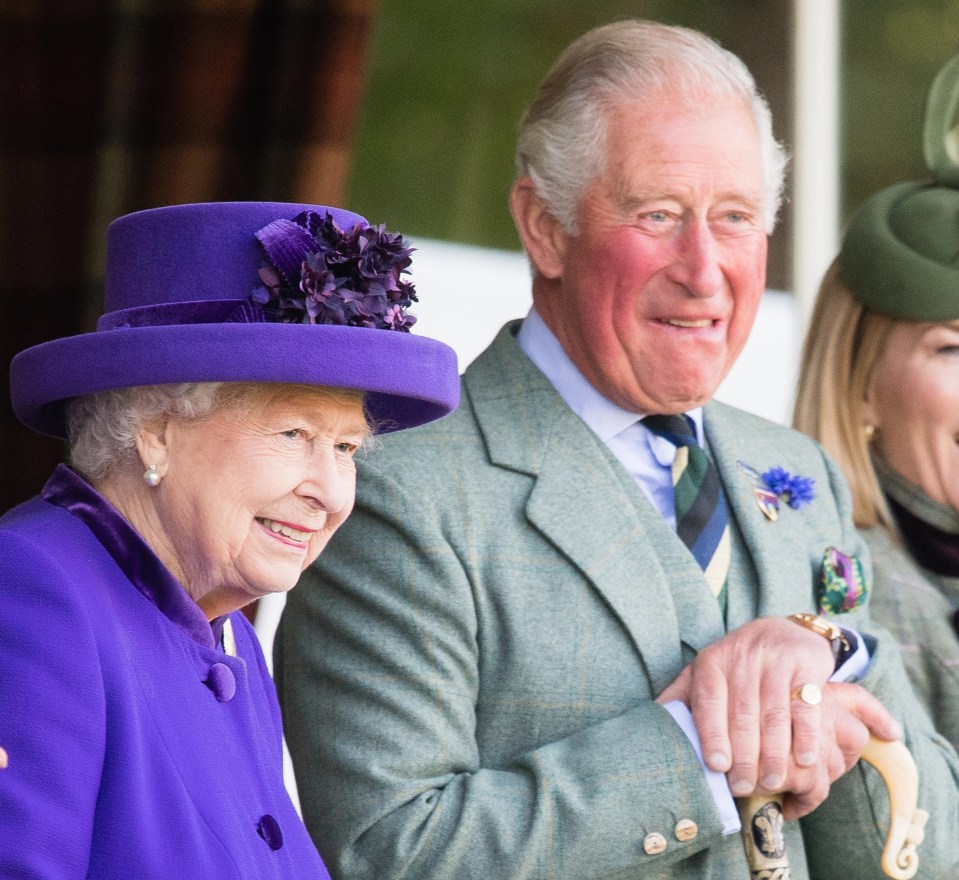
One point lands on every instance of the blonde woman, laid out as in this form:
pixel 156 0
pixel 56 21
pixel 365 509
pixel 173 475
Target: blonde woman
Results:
pixel 879 388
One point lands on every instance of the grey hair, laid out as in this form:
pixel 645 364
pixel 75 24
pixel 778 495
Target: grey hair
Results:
pixel 102 428
pixel 561 142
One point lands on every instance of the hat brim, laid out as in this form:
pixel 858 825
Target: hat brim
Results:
pixel 409 380
pixel 884 271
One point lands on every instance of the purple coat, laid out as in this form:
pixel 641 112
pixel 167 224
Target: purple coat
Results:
pixel 137 747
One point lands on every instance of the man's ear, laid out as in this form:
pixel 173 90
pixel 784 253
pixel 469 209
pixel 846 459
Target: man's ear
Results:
pixel 153 446
pixel 544 239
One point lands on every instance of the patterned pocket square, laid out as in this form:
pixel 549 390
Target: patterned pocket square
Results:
pixel 842 585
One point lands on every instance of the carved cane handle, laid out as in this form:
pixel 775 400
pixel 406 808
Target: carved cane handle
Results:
pixel 762 821
pixel 907 822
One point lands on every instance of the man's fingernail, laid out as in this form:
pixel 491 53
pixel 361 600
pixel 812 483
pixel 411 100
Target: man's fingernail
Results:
pixel 772 782
pixel 719 761
pixel 806 759
pixel 741 786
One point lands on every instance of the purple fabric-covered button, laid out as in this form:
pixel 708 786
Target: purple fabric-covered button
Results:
pixel 269 829
pixel 222 682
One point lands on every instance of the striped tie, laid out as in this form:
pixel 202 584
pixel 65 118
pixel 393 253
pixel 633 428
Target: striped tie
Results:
pixel 701 518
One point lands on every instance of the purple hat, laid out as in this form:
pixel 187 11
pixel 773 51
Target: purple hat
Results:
pixel 248 292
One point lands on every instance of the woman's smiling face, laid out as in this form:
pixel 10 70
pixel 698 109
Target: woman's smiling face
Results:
pixel 251 494
pixel 913 402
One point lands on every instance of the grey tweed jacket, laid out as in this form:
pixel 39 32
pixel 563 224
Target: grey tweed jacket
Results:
pixel 916 606
pixel 468 673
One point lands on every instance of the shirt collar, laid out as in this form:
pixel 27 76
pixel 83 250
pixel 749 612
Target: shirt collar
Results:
pixel 604 418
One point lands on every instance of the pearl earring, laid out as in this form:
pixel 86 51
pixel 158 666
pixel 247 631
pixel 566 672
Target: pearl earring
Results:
pixel 151 476
pixel 867 432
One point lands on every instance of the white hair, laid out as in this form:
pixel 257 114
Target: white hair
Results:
pixel 102 428
pixel 561 143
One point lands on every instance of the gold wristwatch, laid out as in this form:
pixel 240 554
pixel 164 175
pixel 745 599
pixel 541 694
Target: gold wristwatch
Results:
pixel 838 638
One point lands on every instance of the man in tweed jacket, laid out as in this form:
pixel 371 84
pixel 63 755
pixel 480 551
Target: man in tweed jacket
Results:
pixel 508 664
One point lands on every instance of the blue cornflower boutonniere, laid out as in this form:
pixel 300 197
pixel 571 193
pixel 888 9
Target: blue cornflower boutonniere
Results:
pixel 797 491
pixel 778 485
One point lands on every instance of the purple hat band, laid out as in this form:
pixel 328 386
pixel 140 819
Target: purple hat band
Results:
pixel 207 311
pixel 179 310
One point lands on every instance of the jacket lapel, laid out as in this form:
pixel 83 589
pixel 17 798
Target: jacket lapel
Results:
pixel 772 556
pixel 580 506
pixel 586 505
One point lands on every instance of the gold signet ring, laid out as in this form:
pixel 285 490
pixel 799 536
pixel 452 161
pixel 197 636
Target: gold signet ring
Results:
pixel 808 693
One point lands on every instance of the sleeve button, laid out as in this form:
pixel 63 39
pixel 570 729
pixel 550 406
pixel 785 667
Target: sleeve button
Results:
pixel 654 844
pixel 686 830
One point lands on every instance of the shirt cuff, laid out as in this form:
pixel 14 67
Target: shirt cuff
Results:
pixel 854 667
pixel 718 786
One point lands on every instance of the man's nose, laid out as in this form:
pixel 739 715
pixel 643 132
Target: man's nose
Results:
pixel 697 264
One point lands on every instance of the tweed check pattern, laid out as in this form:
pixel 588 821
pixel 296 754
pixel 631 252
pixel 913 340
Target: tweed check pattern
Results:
pixel 702 520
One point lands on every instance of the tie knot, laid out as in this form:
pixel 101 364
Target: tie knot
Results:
pixel 678 430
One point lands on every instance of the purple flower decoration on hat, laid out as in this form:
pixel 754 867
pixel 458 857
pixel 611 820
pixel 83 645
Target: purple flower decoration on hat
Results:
pixel 317 273
pixel 797 491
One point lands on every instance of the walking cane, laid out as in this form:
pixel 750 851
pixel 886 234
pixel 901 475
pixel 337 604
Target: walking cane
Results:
pixel 762 819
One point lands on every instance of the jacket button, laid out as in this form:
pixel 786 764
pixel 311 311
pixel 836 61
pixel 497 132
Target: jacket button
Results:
pixel 686 830
pixel 269 829
pixel 654 844
pixel 222 682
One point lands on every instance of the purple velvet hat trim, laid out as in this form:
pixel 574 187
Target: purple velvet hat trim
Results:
pixel 178 309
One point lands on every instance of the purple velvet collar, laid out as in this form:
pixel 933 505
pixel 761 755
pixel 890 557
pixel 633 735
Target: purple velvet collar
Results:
pixel 137 561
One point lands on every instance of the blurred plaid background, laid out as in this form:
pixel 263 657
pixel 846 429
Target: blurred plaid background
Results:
pixel 108 107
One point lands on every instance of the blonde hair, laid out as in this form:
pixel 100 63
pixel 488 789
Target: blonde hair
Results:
pixel 842 346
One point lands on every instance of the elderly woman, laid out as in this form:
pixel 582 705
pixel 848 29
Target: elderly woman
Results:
pixel 246 353
pixel 879 388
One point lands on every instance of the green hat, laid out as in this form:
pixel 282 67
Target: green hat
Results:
pixel 900 254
